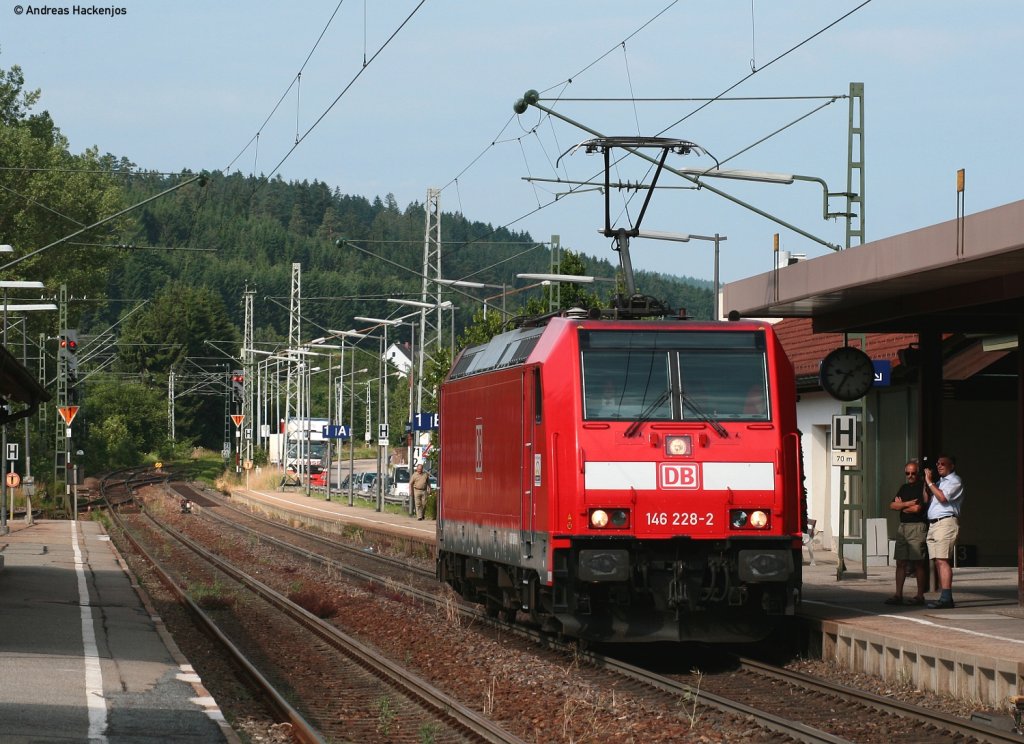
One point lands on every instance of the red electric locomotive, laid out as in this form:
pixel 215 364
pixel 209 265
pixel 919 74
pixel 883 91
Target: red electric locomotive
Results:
pixel 624 480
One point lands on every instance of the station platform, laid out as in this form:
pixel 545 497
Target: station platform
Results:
pixel 334 515
pixel 974 651
pixel 83 657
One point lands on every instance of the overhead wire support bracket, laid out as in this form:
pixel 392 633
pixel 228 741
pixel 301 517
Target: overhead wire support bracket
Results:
pixel 532 98
pixel 605 145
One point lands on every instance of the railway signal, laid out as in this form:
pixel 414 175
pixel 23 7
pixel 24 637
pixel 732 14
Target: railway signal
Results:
pixel 238 383
pixel 68 349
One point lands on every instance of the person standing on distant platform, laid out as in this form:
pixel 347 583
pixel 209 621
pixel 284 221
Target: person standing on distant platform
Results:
pixel 944 497
pixel 910 552
pixel 419 484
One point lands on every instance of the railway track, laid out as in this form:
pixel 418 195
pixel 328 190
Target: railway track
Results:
pixel 347 690
pixel 791 704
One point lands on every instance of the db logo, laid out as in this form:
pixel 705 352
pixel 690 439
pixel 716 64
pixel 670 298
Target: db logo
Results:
pixel 680 475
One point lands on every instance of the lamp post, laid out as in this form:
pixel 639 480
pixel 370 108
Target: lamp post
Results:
pixel 425 306
pixel 340 382
pixel 559 279
pixel 7 285
pixel 685 238
pixel 478 285
pixel 401 320
pixel 352 449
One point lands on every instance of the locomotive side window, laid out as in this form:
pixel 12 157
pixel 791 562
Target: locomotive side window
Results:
pixel 628 374
pixel 538 396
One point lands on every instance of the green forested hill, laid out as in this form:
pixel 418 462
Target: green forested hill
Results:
pixel 151 270
pixel 240 231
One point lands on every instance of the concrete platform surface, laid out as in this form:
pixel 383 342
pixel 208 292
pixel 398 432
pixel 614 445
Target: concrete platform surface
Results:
pixel 973 651
pixel 82 658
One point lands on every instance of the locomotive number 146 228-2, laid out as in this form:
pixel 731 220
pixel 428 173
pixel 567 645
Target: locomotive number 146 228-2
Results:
pixel 680 519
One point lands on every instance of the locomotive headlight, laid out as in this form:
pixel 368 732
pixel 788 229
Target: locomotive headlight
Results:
pixel 679 445
pixel 758 519
pixel 616 519
pixel 742 519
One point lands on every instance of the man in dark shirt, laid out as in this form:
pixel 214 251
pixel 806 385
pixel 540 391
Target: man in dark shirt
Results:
pixel 911 551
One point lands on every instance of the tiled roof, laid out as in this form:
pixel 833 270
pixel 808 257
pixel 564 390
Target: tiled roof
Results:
pixel 806 349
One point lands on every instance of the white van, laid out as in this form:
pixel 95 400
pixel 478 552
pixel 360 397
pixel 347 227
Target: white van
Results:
pixel 399 490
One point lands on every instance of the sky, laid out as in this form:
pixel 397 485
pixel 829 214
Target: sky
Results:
pixel 378 97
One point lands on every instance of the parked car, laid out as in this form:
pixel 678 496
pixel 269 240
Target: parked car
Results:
pixel 367 481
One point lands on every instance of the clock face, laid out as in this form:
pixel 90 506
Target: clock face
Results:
pixel 847 373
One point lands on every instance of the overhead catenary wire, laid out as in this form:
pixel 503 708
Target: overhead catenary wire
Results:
pixel 300 138
pixel 284 95
pixel 706 102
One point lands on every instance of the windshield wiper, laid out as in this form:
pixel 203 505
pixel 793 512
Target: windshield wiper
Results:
pixel 634 428
pixel 704 415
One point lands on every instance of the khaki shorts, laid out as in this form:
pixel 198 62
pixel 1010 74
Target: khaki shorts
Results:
pixel 910 542
pixel 942 537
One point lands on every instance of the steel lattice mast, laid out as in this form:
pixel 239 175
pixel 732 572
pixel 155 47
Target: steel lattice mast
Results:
pixel 430 334
pixel 293 380
pixel 248 381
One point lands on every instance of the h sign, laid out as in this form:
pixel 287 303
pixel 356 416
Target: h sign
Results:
pixel 844 432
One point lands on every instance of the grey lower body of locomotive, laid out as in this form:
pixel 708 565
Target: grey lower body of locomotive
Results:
pixel 627 590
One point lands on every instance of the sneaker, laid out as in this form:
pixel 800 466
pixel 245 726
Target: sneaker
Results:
pixel 941 604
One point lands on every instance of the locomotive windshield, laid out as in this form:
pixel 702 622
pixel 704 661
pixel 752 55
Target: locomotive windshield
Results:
pixel 674 375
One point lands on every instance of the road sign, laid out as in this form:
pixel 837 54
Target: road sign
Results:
pixel 13 480
pixel 883 372
pixel 68 413
pixel 12 450
pixel 238 418
pixel 845 458
pixel 335 431
pixel 424 421
pixel 844 432
pixel 382 434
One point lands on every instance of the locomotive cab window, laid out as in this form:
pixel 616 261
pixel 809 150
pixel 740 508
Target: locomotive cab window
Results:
pixel 674 375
